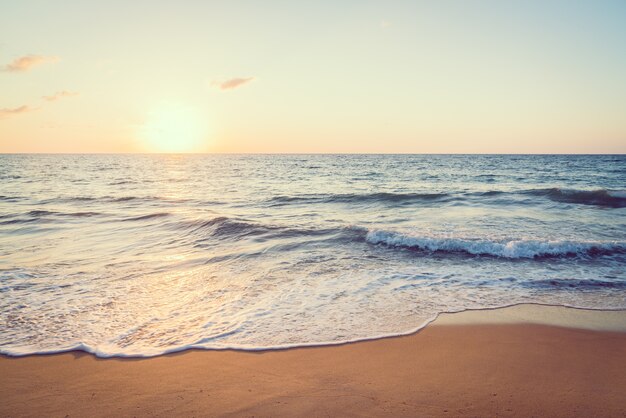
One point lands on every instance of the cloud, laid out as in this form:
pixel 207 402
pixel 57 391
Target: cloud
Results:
pixel 232 83
pixel 59 95
pixel 27 62
pixel 12 111
pixel 8 112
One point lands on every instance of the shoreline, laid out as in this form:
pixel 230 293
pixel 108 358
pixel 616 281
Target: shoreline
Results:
pixel 594 319
pixel 465 364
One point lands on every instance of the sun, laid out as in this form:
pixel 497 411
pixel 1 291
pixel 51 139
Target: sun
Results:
pixel 174 128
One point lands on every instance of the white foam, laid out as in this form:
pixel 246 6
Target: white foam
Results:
pixel 501 248
pixel 612 320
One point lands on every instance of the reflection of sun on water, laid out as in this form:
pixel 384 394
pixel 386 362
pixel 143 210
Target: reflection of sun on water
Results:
pixel 174 128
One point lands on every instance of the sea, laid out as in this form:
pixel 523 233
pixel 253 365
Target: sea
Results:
pixel 140 255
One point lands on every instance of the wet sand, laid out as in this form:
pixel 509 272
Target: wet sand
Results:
pixel 455 367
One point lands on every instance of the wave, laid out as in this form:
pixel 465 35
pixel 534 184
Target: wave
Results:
pixel 81 214
pixel 37 213
pixel 76 199
pixel 235 229
pixel 43 213
pixel 221 226
pixel 578 284
pixel 512 249
pixel 491 193
pixel 124 199
pixel 109 199
pixel 122 182
pixel 18 221
pixel 147 217
pixel 600 197
pixel 359 198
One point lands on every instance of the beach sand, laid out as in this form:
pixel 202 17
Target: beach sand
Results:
pixel 500 363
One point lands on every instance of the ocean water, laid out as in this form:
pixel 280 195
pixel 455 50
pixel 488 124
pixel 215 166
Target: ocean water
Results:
pixel 138 255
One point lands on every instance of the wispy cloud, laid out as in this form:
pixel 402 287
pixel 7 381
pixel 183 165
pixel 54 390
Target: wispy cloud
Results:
pixel 8 112
pixel 13 111
pixel 232 83
pixel 27 62
pixel 59 95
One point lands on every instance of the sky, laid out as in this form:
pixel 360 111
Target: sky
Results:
pixel 313 76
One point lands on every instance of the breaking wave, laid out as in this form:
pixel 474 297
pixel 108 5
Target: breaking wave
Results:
pixel 506 248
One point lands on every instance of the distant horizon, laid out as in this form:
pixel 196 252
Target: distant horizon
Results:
pixel 301 153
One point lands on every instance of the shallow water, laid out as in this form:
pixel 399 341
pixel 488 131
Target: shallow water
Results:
pixel 144 254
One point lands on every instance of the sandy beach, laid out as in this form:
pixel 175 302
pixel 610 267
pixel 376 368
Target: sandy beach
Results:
pixel 500 365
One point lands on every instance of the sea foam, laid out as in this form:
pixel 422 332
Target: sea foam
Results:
pixel 501 248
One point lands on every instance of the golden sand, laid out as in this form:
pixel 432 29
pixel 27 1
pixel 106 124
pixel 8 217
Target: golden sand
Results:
pixel 493 369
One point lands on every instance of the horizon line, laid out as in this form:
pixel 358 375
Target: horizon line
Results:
pixel 305 153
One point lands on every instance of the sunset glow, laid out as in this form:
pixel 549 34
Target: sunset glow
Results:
pixel 322 77
pixel 174 128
